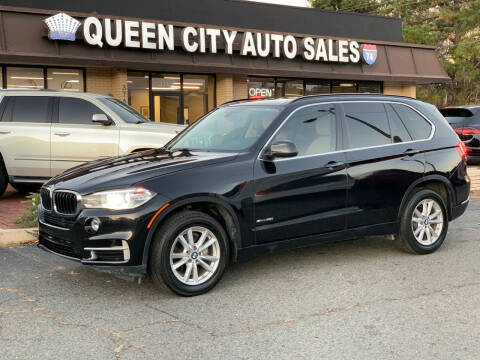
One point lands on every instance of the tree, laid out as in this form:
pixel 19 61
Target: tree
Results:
pixel 449 25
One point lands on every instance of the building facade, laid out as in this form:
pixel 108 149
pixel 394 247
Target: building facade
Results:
pixel 175 60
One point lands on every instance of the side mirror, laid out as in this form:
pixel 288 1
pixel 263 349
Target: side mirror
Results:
pixel 101 119
pixel 281 149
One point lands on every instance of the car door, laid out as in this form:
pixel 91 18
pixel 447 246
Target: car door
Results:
pixel 383 160
pixel 25 136
pixel 305 194
pixel 76 139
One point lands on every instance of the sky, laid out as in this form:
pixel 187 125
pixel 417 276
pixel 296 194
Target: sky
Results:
pixel 285 2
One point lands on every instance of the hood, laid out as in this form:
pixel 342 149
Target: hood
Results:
pixel 131 169
pixel 150 126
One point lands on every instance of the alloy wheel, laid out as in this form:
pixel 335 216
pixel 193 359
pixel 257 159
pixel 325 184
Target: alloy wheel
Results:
pixel 427 222
pixel 195 255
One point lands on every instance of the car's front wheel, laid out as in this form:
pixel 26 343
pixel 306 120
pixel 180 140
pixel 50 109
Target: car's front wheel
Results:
pixel 424 223
pixel 189 253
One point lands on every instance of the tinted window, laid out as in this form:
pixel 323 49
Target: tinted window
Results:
pixel 76 111
pixel 417 126
pixel 31 109
pixel 399 131
pixel 125 112
pixel 367 124
pixel 311 129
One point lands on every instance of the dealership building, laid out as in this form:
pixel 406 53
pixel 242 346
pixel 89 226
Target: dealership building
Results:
pixel 174 60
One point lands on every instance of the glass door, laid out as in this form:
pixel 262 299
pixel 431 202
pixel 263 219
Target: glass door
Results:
pixel 166 107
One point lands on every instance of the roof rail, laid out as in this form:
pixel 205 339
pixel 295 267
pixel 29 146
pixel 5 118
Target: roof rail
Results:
pixel 235 101
pixel 349 94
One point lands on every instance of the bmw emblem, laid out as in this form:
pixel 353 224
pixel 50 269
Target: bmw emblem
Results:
pixel 194 255
pixel 426 222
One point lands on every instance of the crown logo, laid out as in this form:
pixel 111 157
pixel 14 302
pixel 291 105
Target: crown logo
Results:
pixel 62 27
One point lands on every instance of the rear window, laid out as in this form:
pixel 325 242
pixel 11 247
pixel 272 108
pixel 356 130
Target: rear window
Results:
pixel 456 112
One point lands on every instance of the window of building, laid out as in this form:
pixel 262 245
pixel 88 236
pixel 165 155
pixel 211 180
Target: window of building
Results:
pixel 289 88
pixel 339 87
pixel 198 96
pixel 30 109
pixel 315 87
pixel 417 126
pixel 166 82
pixel 76 111
pixel 24 77
pixel 1 77
pixel 312 130
pixel 369 86
pixel 261 88
pixel 138 92
pixel 65 79
pixel 367 124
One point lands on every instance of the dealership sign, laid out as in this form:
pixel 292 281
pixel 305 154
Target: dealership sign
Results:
pixel 154 36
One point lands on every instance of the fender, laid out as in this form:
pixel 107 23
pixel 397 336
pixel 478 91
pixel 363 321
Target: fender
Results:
pixel 189 201
pixel 443 179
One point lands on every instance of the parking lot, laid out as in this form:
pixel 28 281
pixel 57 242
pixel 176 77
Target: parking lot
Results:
pixel 354 300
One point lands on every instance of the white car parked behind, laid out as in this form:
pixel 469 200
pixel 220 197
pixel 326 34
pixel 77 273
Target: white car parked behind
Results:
pixel 43 133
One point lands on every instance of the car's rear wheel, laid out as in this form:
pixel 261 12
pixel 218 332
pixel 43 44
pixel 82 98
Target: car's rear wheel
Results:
pixel 28 188
pixel 424 223
pixel 189 253
pixel 3 179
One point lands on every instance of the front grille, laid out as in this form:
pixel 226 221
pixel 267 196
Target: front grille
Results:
pixel 58 220
pixel 46 200
pixel 65 202
pixel 57 247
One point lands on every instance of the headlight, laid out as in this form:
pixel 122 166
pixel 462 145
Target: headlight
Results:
pixel 118 199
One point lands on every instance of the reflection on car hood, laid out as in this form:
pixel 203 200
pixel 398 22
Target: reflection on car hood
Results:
pixel 131 169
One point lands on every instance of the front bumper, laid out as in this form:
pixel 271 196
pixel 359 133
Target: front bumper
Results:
pixel 119 242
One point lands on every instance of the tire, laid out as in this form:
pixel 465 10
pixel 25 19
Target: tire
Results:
pixel 27 188
pixel 3 179
pixel 167 241
pixel 410 237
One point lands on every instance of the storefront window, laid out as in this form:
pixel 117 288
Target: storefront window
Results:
pixel 369 86
pixel 344 87
pixel 289 88
pixel 1 77
pixel 261 88
pixel 138 94
pixel 65 79
pixel 23 77
pixel 314 87
pixel 166 82
pixel 198 96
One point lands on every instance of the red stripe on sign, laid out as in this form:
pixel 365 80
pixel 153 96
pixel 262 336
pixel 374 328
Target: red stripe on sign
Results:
pixel 369 47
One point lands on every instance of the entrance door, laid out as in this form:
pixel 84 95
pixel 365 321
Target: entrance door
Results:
pixel 167 108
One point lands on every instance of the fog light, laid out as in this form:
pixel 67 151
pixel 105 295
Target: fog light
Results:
pixel 92 225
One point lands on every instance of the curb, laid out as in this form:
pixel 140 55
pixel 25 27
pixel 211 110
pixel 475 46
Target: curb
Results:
pixel 17 237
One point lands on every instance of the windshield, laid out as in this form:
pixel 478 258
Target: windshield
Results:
pixel 125 112
pixel 230 128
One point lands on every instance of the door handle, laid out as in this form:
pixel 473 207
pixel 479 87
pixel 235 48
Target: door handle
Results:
pixel 62 133
pixel 4 132
pixel 411 152
pixel 334 164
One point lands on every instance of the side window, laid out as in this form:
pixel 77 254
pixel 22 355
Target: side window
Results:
pixel 6 108
pixel 312 130
pixel 417 126
pixel 30 109
pixel 76 111
pixel 367 124
pixel 399 131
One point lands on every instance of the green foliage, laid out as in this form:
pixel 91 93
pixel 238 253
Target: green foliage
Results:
pixel 29 217
pixel 449 25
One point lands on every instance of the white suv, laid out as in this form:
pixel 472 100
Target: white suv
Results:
pixel 43 133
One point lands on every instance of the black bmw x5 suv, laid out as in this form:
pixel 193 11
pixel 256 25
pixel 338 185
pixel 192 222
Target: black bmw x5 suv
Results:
pixel 259 176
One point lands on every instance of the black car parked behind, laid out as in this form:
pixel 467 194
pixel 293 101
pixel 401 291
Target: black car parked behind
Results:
pixel 259 176
pixel 466 123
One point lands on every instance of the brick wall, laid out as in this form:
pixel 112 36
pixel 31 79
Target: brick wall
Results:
pixel 108 81
pixel 397 88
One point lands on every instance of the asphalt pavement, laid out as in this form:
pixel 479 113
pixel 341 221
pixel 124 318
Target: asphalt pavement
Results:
pixel 361 299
